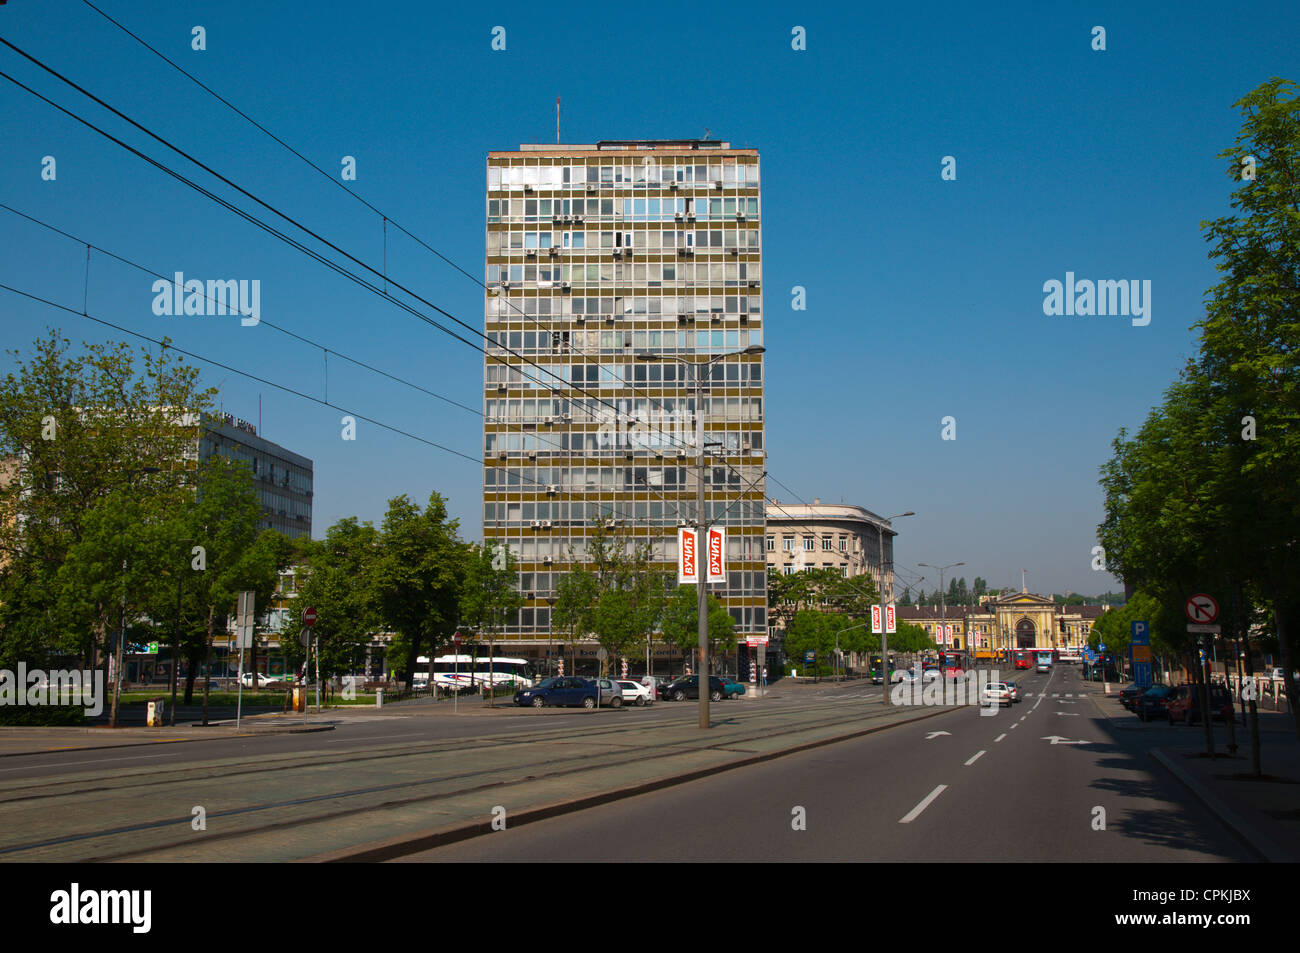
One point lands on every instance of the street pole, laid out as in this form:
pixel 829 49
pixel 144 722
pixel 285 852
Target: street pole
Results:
pixel 117 655
pixel 176 642
pixel 701 542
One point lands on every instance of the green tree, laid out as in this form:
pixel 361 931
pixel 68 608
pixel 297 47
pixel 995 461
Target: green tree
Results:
pixel 681 621
pixel 78 431
pixel 490 596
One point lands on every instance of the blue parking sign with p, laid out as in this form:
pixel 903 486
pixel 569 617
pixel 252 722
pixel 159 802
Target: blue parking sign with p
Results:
pixel 1141 633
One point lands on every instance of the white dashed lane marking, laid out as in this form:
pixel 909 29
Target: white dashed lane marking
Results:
pixel 974 759
pixel 999 737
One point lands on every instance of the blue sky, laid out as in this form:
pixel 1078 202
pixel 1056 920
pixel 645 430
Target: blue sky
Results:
pixel 924 296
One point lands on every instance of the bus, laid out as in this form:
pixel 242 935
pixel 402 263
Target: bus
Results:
pixel 457 673
pixel 952 664
pixel 1043 658
pixel 877 675
pixel 1022 659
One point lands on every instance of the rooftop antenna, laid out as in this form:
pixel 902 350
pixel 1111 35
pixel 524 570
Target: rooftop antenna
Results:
pixel 706 133
pixel 557 120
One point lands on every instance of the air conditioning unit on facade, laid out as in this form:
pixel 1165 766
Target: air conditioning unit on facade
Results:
pixel 537 524
pixel 532 253
pixel 564 286
pixel 553 488
pixel 546 524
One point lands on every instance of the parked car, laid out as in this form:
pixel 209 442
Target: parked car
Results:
pixel 996 692
pixel 1185 704
pixel 732 686
pixel 656 684
pixel 634 693
pixel 1151 703
pixel 688 686
pixel 263 681
pixel 570 690
pixel 611 693
pixel 1128 695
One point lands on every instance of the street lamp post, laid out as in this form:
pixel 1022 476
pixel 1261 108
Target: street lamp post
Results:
pixel 943 608
pixel 121 636
pixel 884 637
pixel 701 514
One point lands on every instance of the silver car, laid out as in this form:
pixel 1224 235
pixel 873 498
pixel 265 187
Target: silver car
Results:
pixel 611 693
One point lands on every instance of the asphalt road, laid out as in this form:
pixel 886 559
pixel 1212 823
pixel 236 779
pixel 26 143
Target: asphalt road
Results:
pixel 1025 785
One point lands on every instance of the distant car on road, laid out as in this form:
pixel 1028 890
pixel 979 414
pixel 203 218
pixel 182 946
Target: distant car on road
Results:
pixel 1014 689
pixel 997 692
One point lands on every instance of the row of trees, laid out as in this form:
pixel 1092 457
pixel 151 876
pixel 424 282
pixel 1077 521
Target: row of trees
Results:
pixel 110 527
pixel 822 610
pixel 1203 498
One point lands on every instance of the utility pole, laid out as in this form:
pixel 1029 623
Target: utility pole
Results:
pixel 701 515
pixel 701 543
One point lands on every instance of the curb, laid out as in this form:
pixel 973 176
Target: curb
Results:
pixel 1257 842
pixel 243 733
pixel 405 844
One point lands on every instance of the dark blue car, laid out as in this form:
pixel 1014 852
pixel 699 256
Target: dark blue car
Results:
pixel 560 691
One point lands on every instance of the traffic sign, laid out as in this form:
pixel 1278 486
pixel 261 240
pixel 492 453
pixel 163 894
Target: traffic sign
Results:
pixel 809 656
pixel 1141 633
pixel 1201 608
pixel 455 640
pixel 309 617
pixel 1191 627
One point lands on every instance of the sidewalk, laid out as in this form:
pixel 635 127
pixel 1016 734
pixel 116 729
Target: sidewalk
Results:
pixel 1264 813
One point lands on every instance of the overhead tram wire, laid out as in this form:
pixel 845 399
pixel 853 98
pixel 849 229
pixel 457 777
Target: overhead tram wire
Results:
pixel 382 292
pixel 168 345
pixel 387 219
pixel 261 321
pixel 285 331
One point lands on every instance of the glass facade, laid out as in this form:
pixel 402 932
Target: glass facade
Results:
pixel 282 478
pixel 596 255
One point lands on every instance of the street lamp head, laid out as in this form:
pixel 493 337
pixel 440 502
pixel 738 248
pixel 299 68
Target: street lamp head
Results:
pixel 909 513
pixel 754 349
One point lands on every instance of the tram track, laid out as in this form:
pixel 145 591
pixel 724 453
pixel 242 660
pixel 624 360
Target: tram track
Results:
pixel 327 806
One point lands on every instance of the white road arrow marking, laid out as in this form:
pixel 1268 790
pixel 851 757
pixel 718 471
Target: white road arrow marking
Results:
pixel 935 734
pixel 1058 740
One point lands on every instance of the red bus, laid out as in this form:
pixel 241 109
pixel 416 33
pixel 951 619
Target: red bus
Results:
pixel 952 664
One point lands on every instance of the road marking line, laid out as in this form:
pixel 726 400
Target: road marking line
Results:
pixel 974 759
pixel 1015 726
pixel 1023 717
pixel 999 737
pixel 915 812
pixel 1055 695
